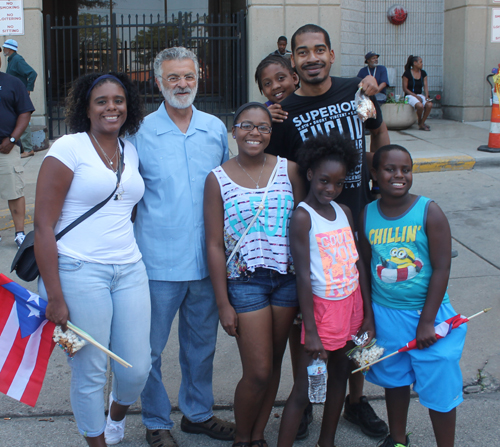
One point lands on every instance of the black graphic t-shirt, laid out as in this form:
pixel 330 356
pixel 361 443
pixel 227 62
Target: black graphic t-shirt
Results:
pixel 333 111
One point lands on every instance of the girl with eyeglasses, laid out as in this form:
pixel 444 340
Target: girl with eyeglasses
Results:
pixel 254 287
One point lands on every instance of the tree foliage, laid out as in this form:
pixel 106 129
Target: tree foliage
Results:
pixel 91 4
pixel 149 41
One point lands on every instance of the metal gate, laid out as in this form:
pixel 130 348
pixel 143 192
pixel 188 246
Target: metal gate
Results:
pixel 93 43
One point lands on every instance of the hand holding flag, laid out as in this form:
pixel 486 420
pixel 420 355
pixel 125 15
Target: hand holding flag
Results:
pixel 25 342
pixel 441 330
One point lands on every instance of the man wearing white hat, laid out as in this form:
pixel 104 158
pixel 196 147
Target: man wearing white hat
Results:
pixel 19 68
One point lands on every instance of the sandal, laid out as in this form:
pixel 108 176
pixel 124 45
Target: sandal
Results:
pixel 241 444
pixel 214 427
pixel 160 438
pixel 259 443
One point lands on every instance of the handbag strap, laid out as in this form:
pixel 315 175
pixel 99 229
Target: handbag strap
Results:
pixel 99 205
pixel 261 207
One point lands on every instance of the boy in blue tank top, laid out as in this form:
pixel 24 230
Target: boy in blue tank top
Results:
pixel 406 243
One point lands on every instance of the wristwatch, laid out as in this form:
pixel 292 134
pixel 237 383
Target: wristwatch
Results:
pixel 12 139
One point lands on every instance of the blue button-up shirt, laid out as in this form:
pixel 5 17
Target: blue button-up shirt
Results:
pixel 169 225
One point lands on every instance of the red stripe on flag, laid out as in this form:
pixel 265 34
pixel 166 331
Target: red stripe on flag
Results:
pixel 6 300
pixel 4 279
pixel 12 362
pixel 35 383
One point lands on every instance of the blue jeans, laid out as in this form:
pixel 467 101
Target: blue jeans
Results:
pixel 198 320
pixel 111 303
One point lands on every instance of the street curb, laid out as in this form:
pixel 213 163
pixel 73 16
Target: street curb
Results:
pixel 6 221
pixel 438 164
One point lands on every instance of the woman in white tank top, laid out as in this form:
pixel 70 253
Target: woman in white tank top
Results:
pixel 255 291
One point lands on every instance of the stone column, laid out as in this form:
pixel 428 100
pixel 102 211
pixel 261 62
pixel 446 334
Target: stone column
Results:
pixel 269 19
pixel 468 58
pixel 31 47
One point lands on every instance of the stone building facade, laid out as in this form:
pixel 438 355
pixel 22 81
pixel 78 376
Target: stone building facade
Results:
pixel 452 36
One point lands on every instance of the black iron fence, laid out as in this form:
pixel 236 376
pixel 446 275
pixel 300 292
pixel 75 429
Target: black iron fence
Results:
pixel 92 43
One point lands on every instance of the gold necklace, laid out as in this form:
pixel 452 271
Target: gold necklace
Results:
pixel 251 178
pixel 109 160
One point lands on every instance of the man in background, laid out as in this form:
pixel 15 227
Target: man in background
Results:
pixel 15 114
pixel 379 72
pixel 282 51
pixel 20 69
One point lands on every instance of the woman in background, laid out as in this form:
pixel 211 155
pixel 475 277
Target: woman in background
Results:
pixel 414 83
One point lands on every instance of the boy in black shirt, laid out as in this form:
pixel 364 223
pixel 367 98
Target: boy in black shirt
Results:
pixel 326 104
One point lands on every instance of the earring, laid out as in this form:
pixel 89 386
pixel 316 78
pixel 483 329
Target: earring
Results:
pixel 234 136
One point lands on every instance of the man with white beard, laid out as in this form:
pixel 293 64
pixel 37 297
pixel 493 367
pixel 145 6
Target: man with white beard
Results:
pixel 178 146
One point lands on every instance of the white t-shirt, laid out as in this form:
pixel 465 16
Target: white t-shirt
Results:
pixel 107 236
pixel 334 275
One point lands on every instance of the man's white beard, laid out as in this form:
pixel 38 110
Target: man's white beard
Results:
pixel 179 103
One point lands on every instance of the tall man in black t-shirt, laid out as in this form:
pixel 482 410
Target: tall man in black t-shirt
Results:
pixel 15 113
pixel 324 104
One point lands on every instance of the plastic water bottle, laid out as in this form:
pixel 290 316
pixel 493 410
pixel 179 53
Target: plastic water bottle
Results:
pixel 316 372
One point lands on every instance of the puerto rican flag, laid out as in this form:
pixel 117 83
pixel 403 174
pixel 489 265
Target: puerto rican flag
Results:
pixel 441 330
pixel 25 342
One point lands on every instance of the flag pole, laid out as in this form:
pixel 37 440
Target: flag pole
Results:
pixel 394 353
pixel 373 363
pixel 479 313
pixel 92 341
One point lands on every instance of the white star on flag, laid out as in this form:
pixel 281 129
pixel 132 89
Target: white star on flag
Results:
pixel 34 297
pixel 33 312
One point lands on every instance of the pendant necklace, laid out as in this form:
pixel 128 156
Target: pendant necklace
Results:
pixel 260 175
pixel 119 194
pixel 109 160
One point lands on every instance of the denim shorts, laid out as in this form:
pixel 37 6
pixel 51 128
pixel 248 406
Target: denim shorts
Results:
pixel 260 289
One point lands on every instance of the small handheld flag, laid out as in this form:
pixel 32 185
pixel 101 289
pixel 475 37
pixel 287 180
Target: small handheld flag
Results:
pixel 25 342
pixel 441 330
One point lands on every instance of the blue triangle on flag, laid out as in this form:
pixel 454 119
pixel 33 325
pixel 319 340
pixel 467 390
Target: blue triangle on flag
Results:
pixel 30 308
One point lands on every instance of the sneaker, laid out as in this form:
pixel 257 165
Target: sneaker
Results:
pixel 115 430
pixel 19 239
pixel 362 414
pixel 389 442
pixel 307 417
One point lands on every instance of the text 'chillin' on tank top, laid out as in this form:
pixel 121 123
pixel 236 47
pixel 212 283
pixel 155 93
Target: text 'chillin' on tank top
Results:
pixel 266 243
pixel 401 267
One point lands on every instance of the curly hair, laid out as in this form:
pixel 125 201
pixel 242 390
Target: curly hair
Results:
pixel 77 103
pixel 270 60
pixel 388 148
pixel 320 148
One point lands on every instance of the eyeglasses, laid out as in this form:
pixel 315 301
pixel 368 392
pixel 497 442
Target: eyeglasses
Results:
pixel 248 127
pixel 174 79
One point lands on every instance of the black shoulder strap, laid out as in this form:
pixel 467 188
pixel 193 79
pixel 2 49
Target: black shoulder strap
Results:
pixel 99 205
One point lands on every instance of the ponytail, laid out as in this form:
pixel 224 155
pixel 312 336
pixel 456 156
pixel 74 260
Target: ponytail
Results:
pixel 410 61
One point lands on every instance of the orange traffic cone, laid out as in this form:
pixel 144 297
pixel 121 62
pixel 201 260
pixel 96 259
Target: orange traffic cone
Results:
pixel 494 138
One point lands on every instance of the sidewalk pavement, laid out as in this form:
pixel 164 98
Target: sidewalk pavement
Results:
pixel 473 214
